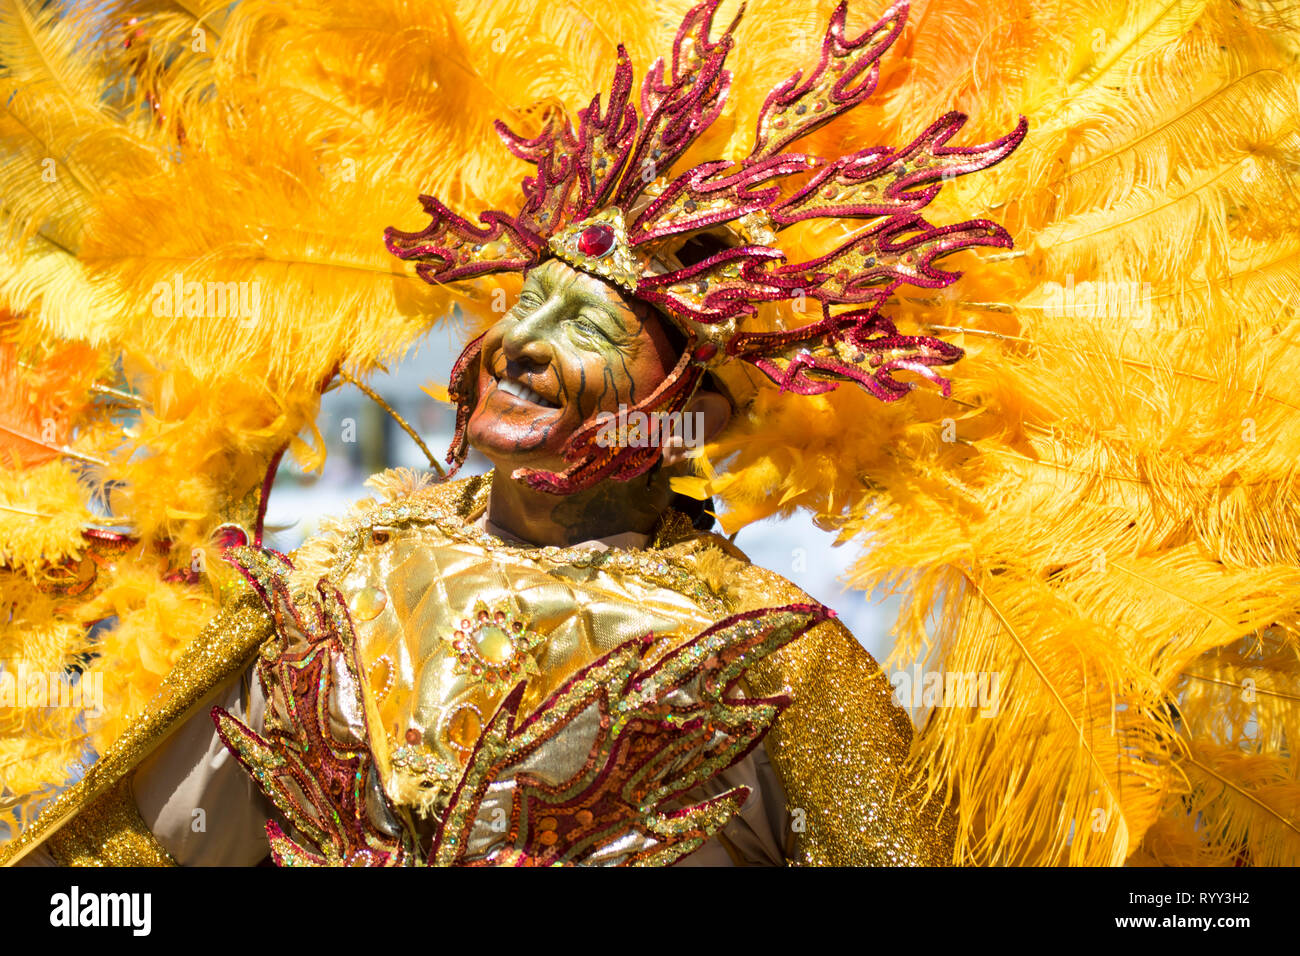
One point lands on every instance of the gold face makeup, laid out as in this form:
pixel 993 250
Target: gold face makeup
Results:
pixel 572 347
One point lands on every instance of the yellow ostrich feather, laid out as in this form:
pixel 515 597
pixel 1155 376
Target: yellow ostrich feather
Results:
pixel 42 515
pixel 167 162
pixel 38 744
pixel 155 620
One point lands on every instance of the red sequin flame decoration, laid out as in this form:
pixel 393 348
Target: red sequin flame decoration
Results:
pixel 657 731
pixel 621 157
pixel 320 778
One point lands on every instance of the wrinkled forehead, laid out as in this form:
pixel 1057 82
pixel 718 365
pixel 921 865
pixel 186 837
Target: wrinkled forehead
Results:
pixel 559 275
pixel 554 274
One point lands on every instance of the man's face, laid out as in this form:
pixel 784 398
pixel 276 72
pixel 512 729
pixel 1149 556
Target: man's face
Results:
pixel 571 348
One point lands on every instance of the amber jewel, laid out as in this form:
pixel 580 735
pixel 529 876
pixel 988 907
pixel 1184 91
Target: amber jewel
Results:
pixel 493 645
pixel 369 603
pixel 464 727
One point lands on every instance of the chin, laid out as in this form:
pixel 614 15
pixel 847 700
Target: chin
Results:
pixel 505 445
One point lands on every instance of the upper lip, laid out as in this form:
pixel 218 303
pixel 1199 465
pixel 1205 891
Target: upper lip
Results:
pixel 521 389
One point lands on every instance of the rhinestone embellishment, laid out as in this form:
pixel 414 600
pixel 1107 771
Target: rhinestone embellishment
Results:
pixel 596 241
pixel 493 644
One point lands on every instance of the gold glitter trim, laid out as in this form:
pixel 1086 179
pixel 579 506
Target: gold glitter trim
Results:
pixel 220 652
pixel 452 507
pixel 840 748
pixel 109 831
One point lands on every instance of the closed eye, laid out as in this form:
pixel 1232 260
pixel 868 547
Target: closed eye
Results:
pixel 591 328
pixel 595 322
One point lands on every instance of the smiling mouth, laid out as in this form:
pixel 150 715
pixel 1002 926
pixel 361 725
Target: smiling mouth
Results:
pixel 521 391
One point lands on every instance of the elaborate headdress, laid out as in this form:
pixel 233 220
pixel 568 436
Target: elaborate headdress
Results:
pixel 599 203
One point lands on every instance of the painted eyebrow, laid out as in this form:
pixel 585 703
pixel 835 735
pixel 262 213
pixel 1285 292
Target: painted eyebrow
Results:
pixel 547 286
pixel 536 279
pixel 550 286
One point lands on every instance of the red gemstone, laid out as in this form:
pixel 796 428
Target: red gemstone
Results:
pixel 596 241
pixel 705 352
pixel 231 536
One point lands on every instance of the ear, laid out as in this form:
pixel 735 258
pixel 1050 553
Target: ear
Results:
pixel 714 412
pixel 463 383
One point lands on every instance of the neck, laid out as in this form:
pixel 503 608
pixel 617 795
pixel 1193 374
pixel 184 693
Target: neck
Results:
pixel 609 508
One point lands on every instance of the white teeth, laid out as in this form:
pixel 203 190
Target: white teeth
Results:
pixel 520 390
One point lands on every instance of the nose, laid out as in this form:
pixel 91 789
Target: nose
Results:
pixel 524 344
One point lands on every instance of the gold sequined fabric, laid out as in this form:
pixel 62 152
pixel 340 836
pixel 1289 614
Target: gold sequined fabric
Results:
pixel 841 746
pixel 109 831
pixel 594 773
pixel 104 832
pixel 448 618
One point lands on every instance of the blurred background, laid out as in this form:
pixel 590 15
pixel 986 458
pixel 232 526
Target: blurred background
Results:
pixel 362 439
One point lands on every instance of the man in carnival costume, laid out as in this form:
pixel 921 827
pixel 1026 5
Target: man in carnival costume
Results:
pixel 558 662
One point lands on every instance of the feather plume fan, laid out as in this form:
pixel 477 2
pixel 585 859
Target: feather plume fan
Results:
pixel 194 198
pixel 1104 514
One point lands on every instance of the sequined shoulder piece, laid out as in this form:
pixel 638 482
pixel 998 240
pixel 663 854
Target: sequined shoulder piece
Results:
pixel 842 745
